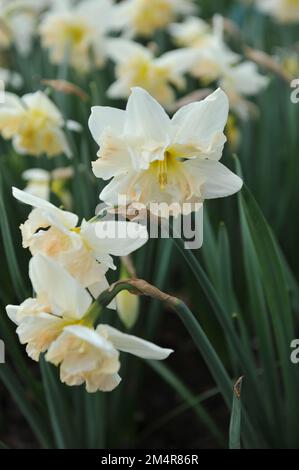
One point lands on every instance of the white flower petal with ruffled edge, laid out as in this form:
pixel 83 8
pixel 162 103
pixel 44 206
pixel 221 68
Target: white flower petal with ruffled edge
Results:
pixel 197 124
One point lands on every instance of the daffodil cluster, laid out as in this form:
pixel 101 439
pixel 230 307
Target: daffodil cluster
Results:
pixel 67 270
pixel 215 62
pixel 162 152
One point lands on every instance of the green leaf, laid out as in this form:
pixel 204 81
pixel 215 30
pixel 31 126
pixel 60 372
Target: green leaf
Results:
pixel 95 416
pixel 235 419
pixel 13 266
pixel 276 291
pixel 169 377
pixel 59 411
pixel 35 420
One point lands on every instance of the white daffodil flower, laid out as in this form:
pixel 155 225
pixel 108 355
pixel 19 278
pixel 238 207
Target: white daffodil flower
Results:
pixel 78 32
pixel 60 301
pixel 38 182
pixel 137 66
pixel 41 182
pixel 92 356
pixel 240 81
pixel 152 158
pixel 18 20
pixel 284 11
pixel 10 78
pixel 59 320
pixel 212 59
pixel 34 124
pixel 213 54
pixel 84 251
pixel 193 32
pixel 144 17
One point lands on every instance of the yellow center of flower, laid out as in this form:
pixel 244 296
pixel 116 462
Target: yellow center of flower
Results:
pixel 36 133
pixel 142 71
pixel 151 15
pixel 76 229
pixel 163 168
pixel 75 32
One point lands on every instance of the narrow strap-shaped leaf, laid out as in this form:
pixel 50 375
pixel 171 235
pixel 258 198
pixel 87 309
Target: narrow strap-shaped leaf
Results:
pixel 235 419
pixel 35 421
pixel 278 300
pixel 59 412
pixel 13 266
pixel 95 416
pixel 169 377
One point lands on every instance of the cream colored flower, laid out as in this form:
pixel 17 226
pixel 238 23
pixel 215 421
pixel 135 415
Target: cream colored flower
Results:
pixel 59 301
pixel 78 32
pixel 38 182
pixel 240 81
pixel 193 32
pixel 144 17
pixel 10 78
pixel 137 66
pixel 92 356
pixel 18 20
pixel 84 251
pixel 213 54
pixel 212 60
pixel 285 11
pixel 60 320
pixel 41 182
pixel 34 124
pixel 152 158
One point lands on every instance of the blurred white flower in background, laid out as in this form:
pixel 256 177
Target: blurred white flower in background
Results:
pixel 18 22
pixel 285 11
pixel 193 32
pixel 41 183
pixel 34 124
pixel 136 65
pixel 60 320
pixel 10 78
pixel 152 158
pixel 240 81
pixel 38 182
pixel 85 251
pixel 144 17
pixel 217 62
pixel 213 53
pixel 78 32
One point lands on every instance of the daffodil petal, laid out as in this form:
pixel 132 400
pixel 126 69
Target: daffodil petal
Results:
pixel 218 180
pixel 120 238
pixel 134 345
pixel 146 118
pixel 197 123
pixel 103 117
pixel 70 219
pixel 65 294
